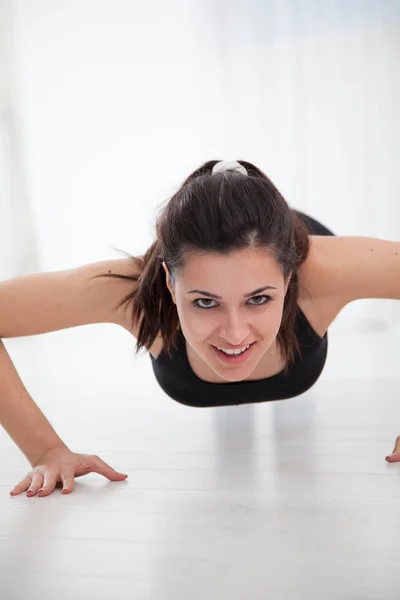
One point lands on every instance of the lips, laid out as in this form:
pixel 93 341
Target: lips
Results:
pixel 236 351
pixel 233 347
pixel 233 358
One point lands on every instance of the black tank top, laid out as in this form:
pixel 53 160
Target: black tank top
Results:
pixel 177 379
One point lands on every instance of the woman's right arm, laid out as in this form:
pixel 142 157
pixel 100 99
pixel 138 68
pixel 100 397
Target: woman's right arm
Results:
pixel 41 303
pixel 21 417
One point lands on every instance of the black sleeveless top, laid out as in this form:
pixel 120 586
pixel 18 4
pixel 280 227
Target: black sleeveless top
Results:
pixel 177 379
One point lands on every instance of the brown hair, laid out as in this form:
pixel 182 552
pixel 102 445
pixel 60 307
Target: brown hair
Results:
pixel 218 213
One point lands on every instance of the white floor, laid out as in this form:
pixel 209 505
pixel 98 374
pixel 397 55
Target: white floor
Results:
pixel 288 500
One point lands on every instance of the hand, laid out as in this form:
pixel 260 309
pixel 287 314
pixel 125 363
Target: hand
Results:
pixel 395 456
pixel 62 465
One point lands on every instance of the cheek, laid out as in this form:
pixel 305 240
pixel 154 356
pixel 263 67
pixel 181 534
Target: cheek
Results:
pixel 269 324
pixel 187 316
pixel 276 320
pixel 194 323
pixel 197 328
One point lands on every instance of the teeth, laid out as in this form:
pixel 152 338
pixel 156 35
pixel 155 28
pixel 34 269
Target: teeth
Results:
pixel 234 351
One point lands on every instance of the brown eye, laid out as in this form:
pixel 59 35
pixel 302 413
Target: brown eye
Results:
pixel 268 298
pixel 197 305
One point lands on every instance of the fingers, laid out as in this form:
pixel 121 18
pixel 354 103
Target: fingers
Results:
pixel 68 481
pixel 22 486
pixel 101 467
pixel 43 480
pixel 49 483
pixel 395 456
pixel 37 481
pixel 43 486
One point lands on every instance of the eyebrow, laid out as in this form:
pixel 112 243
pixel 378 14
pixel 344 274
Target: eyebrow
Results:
pixel 253 293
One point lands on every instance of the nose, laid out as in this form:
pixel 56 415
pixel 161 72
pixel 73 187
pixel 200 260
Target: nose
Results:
pixel 235 330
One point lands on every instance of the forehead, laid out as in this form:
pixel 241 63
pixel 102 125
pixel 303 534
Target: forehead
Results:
pixel 249 262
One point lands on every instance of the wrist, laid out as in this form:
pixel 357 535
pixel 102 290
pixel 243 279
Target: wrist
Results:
pixel 36 455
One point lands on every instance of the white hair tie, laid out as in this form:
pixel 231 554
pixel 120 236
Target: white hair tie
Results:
pixel 229 165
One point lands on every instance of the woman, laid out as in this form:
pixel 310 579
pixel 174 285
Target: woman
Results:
pixel 233 301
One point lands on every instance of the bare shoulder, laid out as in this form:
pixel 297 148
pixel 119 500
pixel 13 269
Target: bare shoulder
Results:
pixel 116 289
pixel 318 292
pixel 342 269
pixel 44 302
pixel 353 267
pixel 317 274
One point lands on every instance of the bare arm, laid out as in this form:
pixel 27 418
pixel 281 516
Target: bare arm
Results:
pixel 20 416
pixel 42 303
pixel 45 302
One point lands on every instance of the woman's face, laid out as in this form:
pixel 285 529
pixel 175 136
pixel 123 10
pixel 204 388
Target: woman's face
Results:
pixel 240 315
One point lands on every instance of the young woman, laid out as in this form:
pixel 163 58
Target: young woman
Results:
pixel 233 301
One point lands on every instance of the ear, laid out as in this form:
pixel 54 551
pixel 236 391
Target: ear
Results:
pixel 168 282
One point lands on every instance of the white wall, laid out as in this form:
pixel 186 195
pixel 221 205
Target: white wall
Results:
pixel 18 241
pixel 120 100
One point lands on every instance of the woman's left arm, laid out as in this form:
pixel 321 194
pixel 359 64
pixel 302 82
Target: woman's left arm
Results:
pixel 359 267
pixel 352 268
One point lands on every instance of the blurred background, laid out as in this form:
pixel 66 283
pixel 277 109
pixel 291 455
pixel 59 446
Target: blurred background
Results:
pixel 107 106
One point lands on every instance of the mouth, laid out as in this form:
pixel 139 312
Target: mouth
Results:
pixel 234 359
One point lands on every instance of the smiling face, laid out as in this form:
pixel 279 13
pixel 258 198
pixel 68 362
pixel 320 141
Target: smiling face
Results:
pixel 230 308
